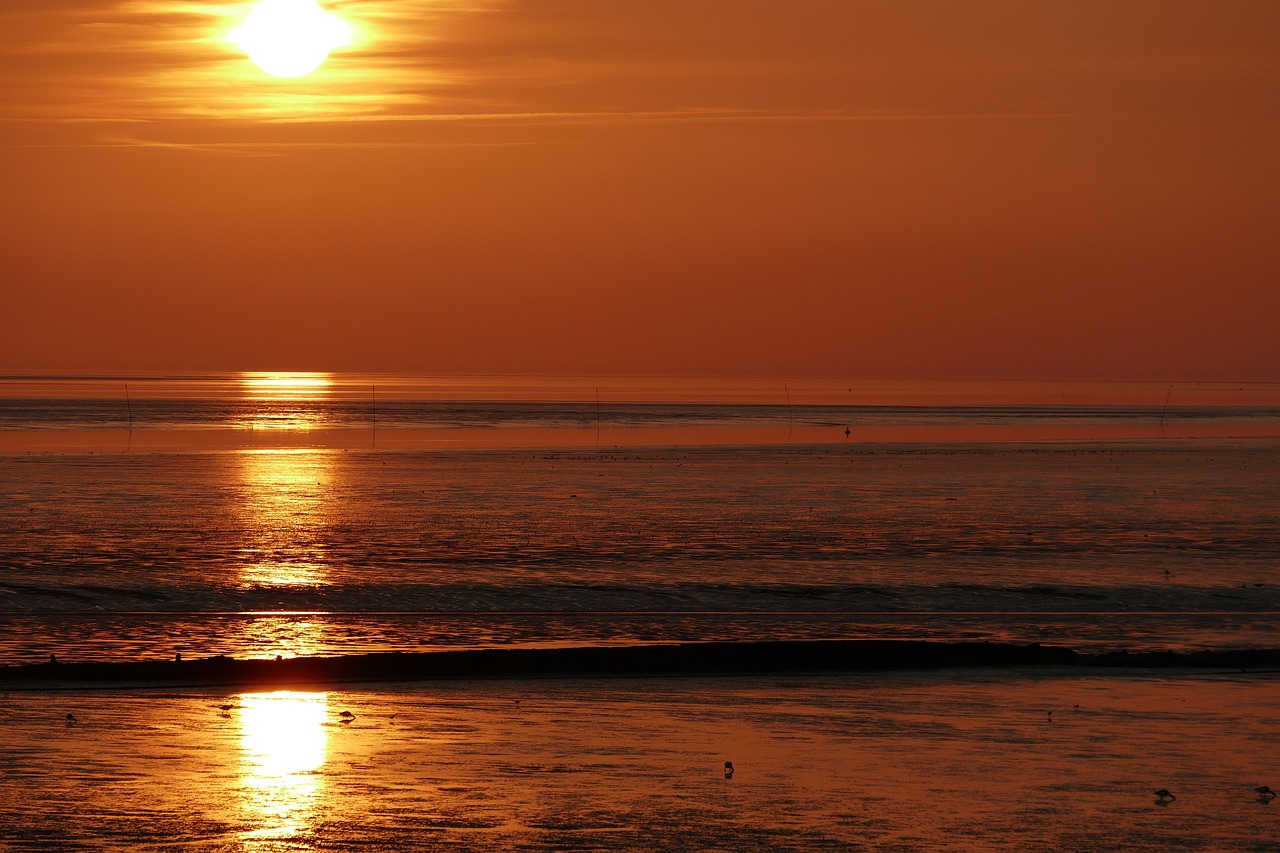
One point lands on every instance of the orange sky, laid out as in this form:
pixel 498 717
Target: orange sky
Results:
pixel 917 188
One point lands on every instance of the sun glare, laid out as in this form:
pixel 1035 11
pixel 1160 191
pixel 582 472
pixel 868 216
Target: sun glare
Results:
pixel 285 386
pixel 283 741
pixel 286 508
pixel 290 38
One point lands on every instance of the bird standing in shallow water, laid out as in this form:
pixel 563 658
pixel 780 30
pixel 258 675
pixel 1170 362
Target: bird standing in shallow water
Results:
pixel 71 719
pixel 1265 793
pixel 728 770
pixel 1164 795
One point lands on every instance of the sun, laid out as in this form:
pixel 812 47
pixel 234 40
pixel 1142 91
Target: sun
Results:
pixel 290 38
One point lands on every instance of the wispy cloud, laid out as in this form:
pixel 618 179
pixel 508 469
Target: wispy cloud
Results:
pixel 171 67
pixel 147 60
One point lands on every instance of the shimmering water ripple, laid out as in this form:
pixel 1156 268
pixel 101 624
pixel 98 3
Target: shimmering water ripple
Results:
pixel 128 555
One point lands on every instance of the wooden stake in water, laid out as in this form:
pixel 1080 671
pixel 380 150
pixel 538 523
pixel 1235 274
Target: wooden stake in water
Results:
pixel 597 416
pixel 791 418
pixel 129 404
pixel 374 389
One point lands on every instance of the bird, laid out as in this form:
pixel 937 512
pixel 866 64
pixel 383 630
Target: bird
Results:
pixel 71 719
pixel 224 708
pixel 1164 794
pixel 728 770
pixel 1265 792
pixel 346 717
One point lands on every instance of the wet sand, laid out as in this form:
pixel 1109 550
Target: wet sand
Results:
pixel 1000 759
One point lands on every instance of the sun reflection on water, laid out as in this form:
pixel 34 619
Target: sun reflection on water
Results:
pixel 285 635
pixel 283 743
pixel 285 386
pixel 285 401
pixel 285 506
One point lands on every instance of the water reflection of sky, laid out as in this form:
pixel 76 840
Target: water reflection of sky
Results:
pixel 283 742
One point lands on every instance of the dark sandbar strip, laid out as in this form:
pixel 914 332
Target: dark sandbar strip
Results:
pixel 683 659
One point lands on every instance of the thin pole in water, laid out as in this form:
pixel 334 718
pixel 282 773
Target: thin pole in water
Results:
pixel 1166 406
pixel 129 404
pixel 374 388
pixel 791 418
pixel 597 416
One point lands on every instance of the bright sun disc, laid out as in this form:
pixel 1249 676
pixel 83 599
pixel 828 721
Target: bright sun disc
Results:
pixel 289 38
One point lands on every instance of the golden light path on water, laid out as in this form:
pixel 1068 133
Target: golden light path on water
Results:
pixel 284 401
pixel 283 742
pixel 284 509
pixel 285 386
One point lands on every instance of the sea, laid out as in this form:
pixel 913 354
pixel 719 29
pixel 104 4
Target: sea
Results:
pixel 264 515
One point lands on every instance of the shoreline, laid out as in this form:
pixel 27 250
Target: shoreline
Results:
pixel 685 659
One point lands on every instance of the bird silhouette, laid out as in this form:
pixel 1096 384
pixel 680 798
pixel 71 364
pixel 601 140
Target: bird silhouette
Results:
pixel 1265 793
pixel 1164 795
pixel 71 719
pixel 728 770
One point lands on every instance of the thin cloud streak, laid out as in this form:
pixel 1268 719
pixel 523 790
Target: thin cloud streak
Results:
pixel 269 149
pixel 196 140
pixel 674 116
